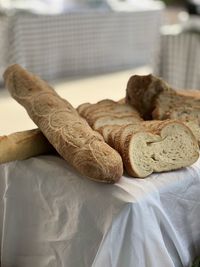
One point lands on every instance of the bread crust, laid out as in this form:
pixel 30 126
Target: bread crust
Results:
pixel 142 91
pixel 70 134
pixel 23 145
pixel 133 138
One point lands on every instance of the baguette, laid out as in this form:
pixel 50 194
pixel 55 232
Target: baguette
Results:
pixel 23 145
pixel 70 134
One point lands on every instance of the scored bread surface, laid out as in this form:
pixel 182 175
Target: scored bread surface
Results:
pixel 70 134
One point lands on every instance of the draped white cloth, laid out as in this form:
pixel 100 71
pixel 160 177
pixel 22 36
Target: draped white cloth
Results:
pixel 51 216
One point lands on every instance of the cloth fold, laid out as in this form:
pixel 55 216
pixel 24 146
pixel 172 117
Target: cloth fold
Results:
pixel 54 217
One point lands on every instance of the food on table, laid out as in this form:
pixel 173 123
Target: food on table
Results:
pixel 145 146
pixel 155 99
pixel 70 134
pixel 166 142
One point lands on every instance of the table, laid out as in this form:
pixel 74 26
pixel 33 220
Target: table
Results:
pixel 54 217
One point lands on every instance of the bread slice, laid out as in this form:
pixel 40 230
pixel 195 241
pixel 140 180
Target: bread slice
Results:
pixel 96 117
pixel 112 135
pixel 142 92
pixel 166 102
pixel 108 120
pixel 121 101
pixel 23 145
pixel 70 134
pixel 108 107
pixel 120 137
pixel 195 128
pixel 171 146
pixel 105 130
pixel 179 107
pixel 108 112
pixel 153 146
pixel 82 107
pixel 192 93
pixel 84 112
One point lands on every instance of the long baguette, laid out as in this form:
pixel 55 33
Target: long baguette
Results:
pixel 70 134
pixel 23 145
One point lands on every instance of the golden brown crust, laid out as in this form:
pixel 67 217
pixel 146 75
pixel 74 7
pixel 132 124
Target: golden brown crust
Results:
pixel 125 153
pixel 23 145
pixel 70 134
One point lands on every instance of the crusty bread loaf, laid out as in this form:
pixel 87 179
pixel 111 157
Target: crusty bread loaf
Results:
pixel 23 145
pixel 155 99
pixel 145 146
pixel 142 91
pixel 70 134
pixel 149 94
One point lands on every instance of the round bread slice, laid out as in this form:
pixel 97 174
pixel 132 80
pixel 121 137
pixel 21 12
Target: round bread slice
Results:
pixel 172 147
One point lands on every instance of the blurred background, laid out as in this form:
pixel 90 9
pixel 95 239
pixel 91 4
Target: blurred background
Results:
pixel 88 49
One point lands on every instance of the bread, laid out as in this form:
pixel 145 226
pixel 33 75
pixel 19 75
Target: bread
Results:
pixel 70 134
pixel 179 106
pixel 108 120
pixel 85 109
pixel 155 99
pixel 166 145
pixel 23 145
pixel 145 146
pixel 192 93
pixel 142 91
pixel 105 130
pixel 165 103
pixel 154 146
pixel 108 112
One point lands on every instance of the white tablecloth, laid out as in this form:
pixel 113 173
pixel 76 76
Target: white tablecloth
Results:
pixel 54 217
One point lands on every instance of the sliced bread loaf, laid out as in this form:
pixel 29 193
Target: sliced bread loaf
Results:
pixel 145 146
pixel 165 146
pixel 142 91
